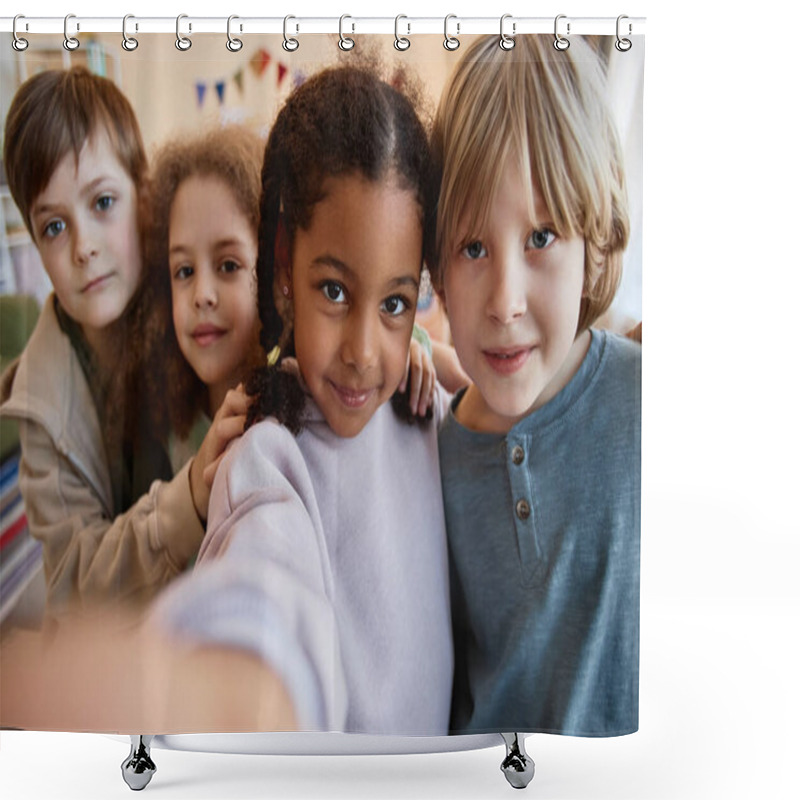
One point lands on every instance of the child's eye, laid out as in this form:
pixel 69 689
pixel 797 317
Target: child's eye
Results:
pixel 474 250
pixel 395 305
pixel 184 272
pixel 333 291
pixel 228 265
pixel 53 228
pixel 540 239
pixel 104 202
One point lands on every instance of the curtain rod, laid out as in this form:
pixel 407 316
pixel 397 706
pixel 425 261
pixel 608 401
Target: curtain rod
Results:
pixel 406 25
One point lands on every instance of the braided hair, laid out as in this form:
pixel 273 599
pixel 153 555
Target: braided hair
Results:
pixel 342 121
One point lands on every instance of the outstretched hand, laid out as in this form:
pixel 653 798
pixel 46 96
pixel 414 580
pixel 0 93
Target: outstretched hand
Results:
pixel 106 672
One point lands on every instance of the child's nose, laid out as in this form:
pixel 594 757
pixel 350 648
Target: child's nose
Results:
pixel 507 299
pixel 360 345
pixel 205 291
pixel 85 244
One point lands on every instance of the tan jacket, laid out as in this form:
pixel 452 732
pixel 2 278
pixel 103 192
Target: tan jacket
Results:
pixel 64 480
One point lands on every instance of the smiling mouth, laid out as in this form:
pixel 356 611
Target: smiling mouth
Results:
pixel 97 283
pixel 507 360
pixel 206 335
pixel 352 398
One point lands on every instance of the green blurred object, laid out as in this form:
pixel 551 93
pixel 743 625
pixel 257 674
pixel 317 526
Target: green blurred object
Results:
pixel 18 315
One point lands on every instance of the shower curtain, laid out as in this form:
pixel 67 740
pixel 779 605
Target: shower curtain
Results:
pixel 501 648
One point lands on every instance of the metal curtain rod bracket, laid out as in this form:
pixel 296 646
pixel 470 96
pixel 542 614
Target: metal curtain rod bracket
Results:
pixel 250 25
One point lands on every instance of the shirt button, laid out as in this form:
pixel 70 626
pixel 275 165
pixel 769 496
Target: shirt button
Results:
pixel 523 509
pixel 517 455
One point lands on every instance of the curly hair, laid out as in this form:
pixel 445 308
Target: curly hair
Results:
pixel 176 395
pixel 342 121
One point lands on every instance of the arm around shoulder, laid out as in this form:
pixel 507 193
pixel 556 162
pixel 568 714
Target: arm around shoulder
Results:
pixel 90 556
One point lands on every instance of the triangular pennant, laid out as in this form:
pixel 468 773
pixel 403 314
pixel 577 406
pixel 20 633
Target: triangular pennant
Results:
pixel 201 93
pixel 282 70
pixel 298 79
pixel 259 62
pixel 220 87
pixel 238 79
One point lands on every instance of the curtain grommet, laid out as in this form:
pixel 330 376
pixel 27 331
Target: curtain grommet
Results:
pixel 233 44
pixel 183 43
pixel 289 43
pixel 345 42
pixel 401 43
pixel 507 42
pixel 18 43
pixel 623 45
pixel 560 42
pixel 129 43
pixel 71 43
pixel 451 43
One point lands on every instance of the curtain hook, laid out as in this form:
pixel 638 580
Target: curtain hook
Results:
pixel 183 43
pixel 19 44
pixel 129 43
pixel 233 44
pixel 400 42
pixel 70 42
pixel 507 42
pixel 450 42
pixel 561 42
pixel 289 44
pixel 345 42
pixel 623 45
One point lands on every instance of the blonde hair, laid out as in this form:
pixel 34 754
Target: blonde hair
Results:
pixel 547 110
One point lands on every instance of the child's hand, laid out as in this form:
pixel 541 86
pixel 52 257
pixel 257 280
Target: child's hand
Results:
pixel 422 374
pixel 107 672
pixel 228 424
pixel 448 368
pixel 635 333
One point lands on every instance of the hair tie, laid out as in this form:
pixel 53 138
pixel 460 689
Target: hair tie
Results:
pixel 274 355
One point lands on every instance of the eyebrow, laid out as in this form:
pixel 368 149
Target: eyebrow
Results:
pixel 222 244
pixel 331 261
pixel 89 189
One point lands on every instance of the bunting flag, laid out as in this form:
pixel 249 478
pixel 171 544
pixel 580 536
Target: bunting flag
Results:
pixel 238 79
pixel 282 70
pixel 259 62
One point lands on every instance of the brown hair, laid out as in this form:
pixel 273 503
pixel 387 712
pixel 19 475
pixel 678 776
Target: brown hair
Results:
pixel 54 113
pixel 548 110
pixel 232 154
pixel 342 121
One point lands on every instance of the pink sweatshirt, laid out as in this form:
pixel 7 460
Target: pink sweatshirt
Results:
pixel 327 556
